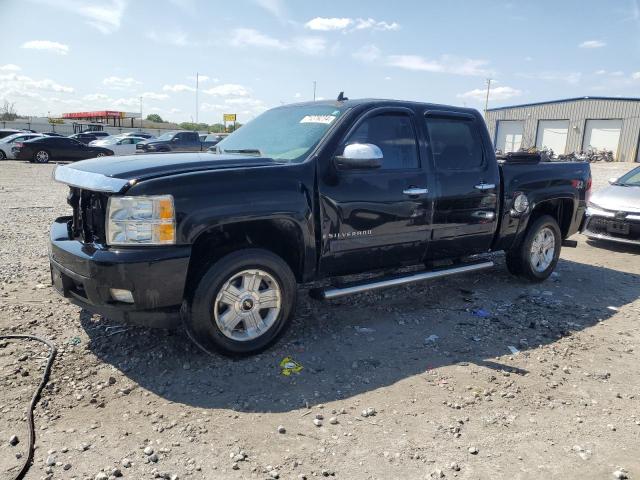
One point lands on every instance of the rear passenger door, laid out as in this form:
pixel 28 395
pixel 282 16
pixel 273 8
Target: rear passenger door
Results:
pixel 465 214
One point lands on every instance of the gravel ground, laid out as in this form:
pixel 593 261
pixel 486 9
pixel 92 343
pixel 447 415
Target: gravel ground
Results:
pixel 482 376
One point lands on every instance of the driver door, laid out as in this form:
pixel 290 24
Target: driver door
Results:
pixel 377 218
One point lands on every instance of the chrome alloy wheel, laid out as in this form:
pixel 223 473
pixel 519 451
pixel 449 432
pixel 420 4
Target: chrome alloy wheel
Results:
pixel 247 305
pixel 543 248
pixel 42 157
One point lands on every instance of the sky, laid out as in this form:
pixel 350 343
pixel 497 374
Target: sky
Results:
pixel 75 55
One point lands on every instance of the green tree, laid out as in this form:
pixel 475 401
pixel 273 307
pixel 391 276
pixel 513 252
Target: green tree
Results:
pixel 154 117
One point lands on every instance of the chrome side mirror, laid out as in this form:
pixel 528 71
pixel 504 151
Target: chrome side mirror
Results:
pixel 359 156
pixel 612 180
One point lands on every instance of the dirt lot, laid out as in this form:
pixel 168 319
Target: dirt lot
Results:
pixel 434 360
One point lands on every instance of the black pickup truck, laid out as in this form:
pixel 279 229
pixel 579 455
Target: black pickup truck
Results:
pixel 305 194
pixel 178 141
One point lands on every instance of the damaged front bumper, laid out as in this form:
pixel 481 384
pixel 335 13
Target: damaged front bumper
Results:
pixel 88 274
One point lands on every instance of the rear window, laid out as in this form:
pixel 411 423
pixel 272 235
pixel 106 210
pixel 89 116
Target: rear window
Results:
pixel 455 143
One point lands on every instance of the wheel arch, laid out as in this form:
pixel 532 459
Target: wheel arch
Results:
pixel 281 236
pixel 559 208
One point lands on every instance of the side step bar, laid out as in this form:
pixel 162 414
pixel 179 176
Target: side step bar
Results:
pixel 336 292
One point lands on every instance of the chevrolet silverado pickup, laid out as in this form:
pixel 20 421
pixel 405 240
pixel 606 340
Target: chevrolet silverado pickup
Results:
pixel 305 195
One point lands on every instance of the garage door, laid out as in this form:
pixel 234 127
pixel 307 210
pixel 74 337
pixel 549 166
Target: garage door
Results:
pixel 603 135
pixel 552 134
pixel 509 137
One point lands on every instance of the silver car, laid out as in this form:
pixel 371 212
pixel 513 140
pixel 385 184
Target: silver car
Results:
pixel 613 212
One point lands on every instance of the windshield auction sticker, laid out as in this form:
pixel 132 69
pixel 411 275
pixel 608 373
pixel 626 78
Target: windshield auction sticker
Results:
pixel 326 119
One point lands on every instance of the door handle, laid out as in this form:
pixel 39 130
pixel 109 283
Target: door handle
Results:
pixel 485 186
pixel 414 191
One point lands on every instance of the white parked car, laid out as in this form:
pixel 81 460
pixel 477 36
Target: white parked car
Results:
pixel 119 145
pixel 7 143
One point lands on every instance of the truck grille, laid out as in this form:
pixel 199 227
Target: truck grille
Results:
pixel 89 210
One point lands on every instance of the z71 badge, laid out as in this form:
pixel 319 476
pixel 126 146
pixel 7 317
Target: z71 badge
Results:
pixel 345 235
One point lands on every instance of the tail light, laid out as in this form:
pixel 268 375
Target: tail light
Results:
pixel 579 184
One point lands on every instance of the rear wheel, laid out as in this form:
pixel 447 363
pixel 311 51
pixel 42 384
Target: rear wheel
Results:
pixel 3 156
pixel 537 256
pixel 99 154
pixel 41 156
pixel 242 303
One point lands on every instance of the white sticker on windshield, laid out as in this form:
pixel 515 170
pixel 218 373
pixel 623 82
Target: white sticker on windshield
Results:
pixel 326 119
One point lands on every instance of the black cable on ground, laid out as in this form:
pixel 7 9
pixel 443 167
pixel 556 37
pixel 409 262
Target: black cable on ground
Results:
pixel 34 400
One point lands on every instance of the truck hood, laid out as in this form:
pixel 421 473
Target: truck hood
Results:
pixel 618 198
pixel 114 174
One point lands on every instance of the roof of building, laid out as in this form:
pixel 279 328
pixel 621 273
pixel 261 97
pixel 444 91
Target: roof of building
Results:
pixel 565 100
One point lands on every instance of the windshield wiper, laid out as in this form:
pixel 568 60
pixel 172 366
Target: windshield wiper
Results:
pixel 250 151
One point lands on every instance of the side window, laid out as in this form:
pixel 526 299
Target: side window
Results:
pixel 455 143
pixel 126 141
pixel 394 135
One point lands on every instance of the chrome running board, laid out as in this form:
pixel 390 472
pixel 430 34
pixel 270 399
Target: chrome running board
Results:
pixel 336 292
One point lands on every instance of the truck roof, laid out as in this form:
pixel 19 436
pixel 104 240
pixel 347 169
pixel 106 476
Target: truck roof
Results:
pixel 382 102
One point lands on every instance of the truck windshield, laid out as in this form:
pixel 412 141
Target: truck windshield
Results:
pixel 286 134
pixel 166 136
pixel 630 179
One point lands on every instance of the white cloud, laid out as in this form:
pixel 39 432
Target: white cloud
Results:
pixel 154 96
pixel 635 75
pixel 445 64
pixel 47 45
pixel 325 24
pixel 250 37
pixel 178 88
pixel 497 93
pixel 120 83
pixel 126 102
pixel 366 23
pixel 297 95
pixel 12 81
pixel 211 107
pixel 106 15
pixel 600 72
pixel 228 90
pixel 592 44
pixel 9 67
pixel 310 45
pixel 367 53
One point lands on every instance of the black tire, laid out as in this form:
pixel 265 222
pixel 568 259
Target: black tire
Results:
pixel 3 156
pixel 199 319
pixel 519 260
pixel 41 156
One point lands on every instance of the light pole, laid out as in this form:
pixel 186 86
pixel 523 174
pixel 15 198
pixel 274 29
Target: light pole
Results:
pixel 197 75
pixel 314 90
pixel 140 113
pixel 486 100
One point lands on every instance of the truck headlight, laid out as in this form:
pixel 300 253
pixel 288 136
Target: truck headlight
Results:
pixel 141 220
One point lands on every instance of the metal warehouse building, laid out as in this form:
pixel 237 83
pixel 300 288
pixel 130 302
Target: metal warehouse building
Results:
pixel 570 125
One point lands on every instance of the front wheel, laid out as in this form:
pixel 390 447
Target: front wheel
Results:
pixel 537 256
pixel 242 303
pixel 3 155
